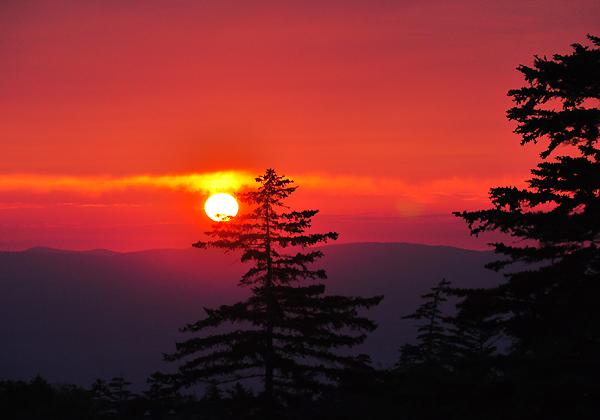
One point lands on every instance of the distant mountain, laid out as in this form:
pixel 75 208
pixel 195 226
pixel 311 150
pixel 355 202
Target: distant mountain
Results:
pixel 46 250
pixel 76 316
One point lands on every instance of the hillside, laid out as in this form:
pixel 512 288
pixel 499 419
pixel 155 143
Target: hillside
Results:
pixel 76 316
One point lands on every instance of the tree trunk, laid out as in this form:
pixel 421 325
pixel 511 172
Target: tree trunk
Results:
pixel 269 356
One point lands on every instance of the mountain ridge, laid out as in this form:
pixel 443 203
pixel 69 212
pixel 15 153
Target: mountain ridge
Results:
pixel 76 316
pixel 101 251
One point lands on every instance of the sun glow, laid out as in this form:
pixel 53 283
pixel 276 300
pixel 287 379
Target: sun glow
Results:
pixel 221 207
pixel 206 183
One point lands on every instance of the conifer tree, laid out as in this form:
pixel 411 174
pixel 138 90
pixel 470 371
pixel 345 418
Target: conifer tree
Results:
pixel 433 345
pixel 162 396
pixel 474 331
pixel 551 310
pixel 287 331
pixel 100 391
pixel 119 394
pixel 240 402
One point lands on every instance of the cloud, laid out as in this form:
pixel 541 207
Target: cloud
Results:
pixel 409 196
pixel 423 192
pixel 206 183
pixel 20 206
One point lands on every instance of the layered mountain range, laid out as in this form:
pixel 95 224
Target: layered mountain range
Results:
pixel 76 316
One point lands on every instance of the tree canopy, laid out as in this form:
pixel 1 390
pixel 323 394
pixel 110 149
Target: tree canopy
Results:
pixel 549 308
pixel 287 332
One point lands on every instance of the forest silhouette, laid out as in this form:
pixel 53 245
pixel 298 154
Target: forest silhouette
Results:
pixel 282 360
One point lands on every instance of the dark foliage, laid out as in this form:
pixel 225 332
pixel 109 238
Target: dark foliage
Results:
pixel 37 400
pixel 474 332
pixel 550 311
pixel 288 332
pixel 433 348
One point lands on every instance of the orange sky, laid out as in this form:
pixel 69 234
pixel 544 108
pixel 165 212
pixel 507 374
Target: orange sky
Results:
pixel 118 118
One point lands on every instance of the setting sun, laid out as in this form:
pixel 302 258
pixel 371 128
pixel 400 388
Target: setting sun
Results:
pixel 220 207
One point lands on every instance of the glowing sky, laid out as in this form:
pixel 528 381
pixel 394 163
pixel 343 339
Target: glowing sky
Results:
pixel 118 118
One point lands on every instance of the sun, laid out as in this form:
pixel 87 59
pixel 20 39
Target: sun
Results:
pixel 220 207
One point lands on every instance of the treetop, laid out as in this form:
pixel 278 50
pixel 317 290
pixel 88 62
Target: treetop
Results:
pixel 556 103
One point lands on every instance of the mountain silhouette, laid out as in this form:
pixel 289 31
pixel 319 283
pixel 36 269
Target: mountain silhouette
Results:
pixel 74 316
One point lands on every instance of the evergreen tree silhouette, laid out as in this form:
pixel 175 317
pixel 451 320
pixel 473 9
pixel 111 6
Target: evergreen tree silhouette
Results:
pixel 550 310
pixel 241 402
pixel 119 394
pixel 433 347
pixel 39 400
pixel 474 332
pixel 162 396
pixel 212 403
pixel 288 332
pixel 101 395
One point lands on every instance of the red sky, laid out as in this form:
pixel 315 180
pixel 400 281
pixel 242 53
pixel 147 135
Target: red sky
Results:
pixel 117 119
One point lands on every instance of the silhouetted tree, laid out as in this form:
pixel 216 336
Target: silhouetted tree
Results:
pixel 363 392
pixel 287 331
pixel 212 403
pixel 433 347
pixel 474 331
pixel 39 400
pixel 240 402
pixel 119 394
pixel 162 396
pixel 550 311
pixel 161 388
pixel 101 395
pixel 428 385
pixel 100 390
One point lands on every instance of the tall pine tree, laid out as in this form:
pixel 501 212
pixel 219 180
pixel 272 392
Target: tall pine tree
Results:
pixel 474 332
pixel 551 310
pixel 432 349
pixel 288 332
